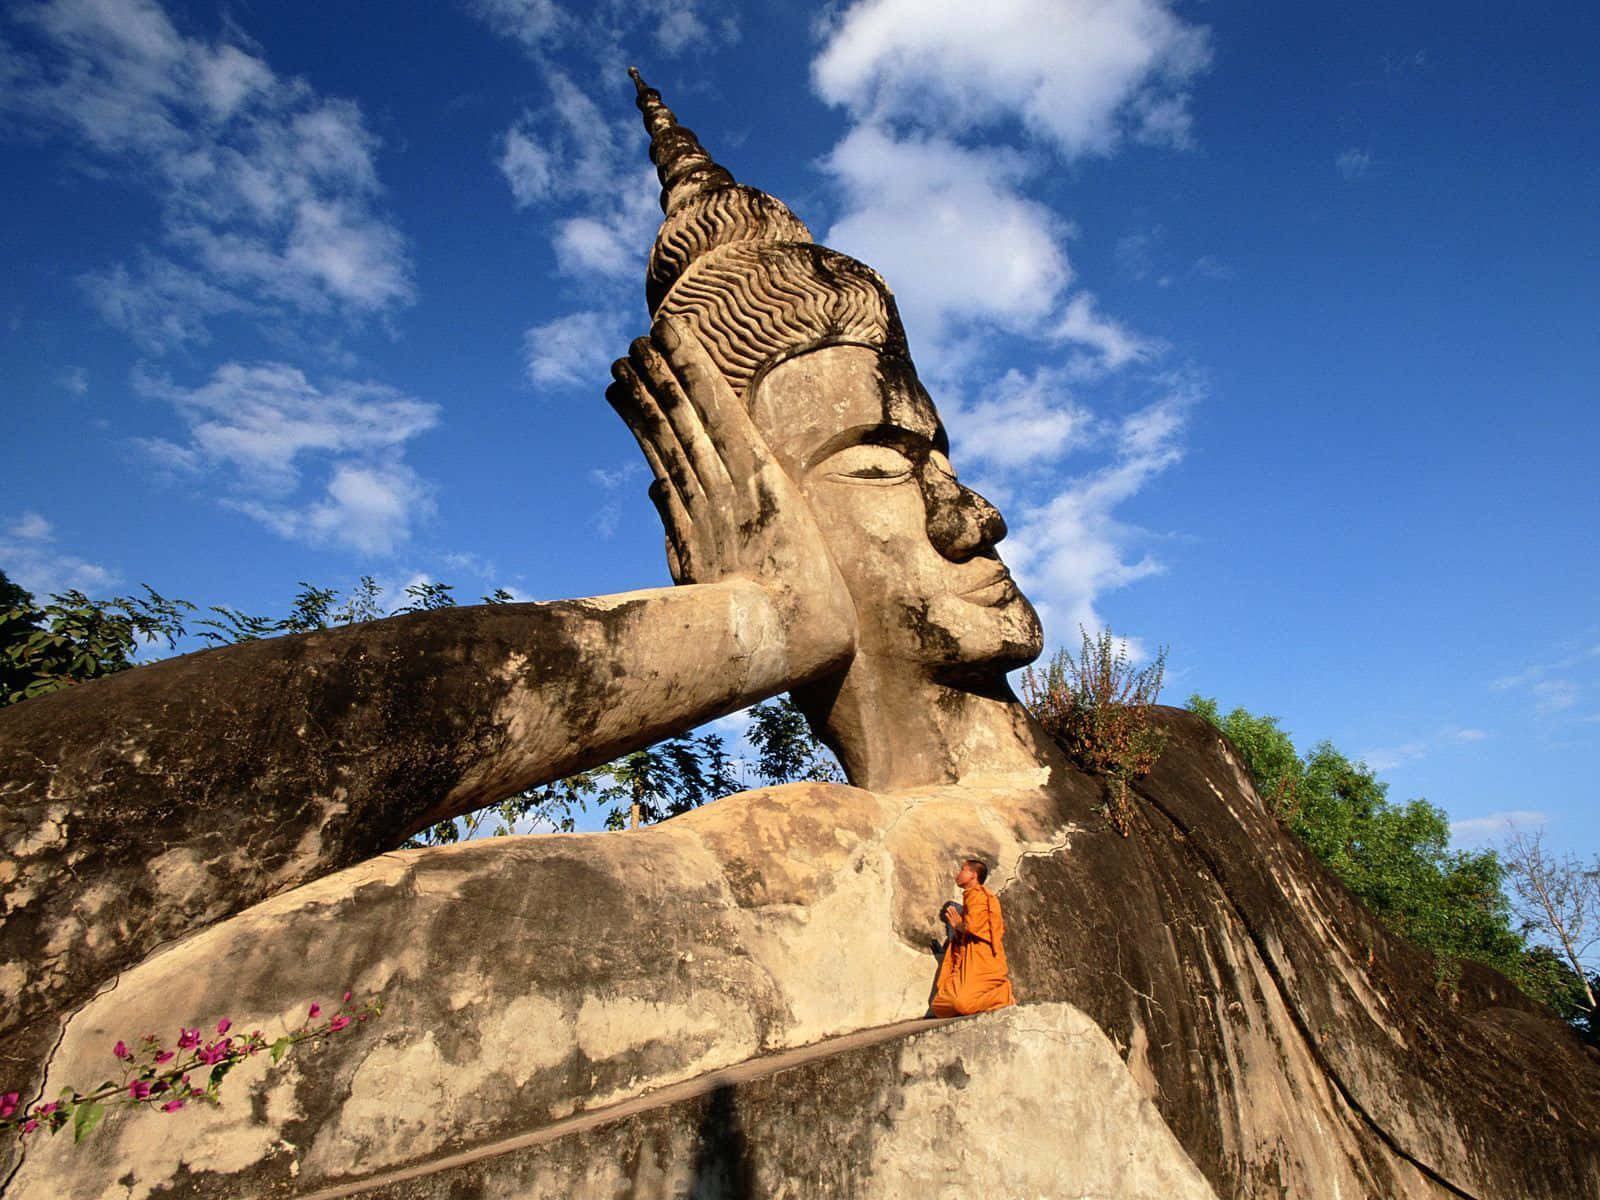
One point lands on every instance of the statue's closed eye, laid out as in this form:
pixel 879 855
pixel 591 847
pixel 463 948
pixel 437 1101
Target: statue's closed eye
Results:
pixel 869 464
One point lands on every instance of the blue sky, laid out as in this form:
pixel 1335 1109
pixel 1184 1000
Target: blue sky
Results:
pixel 1271 328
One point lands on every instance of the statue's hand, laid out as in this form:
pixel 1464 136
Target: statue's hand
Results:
pixel 729 509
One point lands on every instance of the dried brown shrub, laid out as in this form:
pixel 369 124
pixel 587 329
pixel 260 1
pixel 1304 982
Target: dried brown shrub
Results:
pixel 1097 708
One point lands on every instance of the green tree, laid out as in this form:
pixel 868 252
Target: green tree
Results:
pixel 786 749
pixel 1394 857
pixel 73 639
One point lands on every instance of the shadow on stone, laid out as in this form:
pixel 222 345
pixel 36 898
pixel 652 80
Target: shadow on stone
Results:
pixel 722 1168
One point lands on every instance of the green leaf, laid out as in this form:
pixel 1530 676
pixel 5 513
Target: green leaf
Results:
pixel 280 1048
pixel 219 1072
pixel 85 1119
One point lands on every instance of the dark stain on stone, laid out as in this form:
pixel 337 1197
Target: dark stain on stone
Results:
pixel 955 1074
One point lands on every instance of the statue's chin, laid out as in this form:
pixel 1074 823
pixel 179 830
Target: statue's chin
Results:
pixel 989 637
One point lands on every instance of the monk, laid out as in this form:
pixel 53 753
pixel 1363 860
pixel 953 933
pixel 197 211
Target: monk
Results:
pixel 974 977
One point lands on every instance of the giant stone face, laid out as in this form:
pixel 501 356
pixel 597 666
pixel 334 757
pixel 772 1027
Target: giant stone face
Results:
pixel 857 431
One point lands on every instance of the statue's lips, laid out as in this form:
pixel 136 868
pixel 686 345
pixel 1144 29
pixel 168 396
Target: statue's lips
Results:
pixel 997 589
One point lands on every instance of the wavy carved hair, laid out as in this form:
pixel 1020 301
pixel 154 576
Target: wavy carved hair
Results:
pixel 754 303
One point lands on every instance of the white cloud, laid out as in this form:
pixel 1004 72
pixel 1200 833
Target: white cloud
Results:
pixel 544 28
pixel 532 23
pixel 31 560
pixel 1353 163
pixel 950 229
pixel 1113 344
pixel 1071 548
pixel 1554 695
pixel 31 527
pixel 575 349
pixel 526 167
pixel 258 430
pixel 268 192
pixel 1026 420
pixel 613 482
pixel 73 380
pixel 570 159
pixel 1387 758
pixel 1480 831
pixel 1557 684
pixel 1082 74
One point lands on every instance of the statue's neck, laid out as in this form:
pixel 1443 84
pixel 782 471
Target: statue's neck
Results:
pixel 893 727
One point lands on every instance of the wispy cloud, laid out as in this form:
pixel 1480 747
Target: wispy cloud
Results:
pixel 73 380
pixel 1480 831
pixel 268 192
pixel 318 463
pixel 596 193
pixel 1556 684
pixel 1071 548
pixel 31 558
pixel 615 482
pixel 543 28
pixel 1387 758
pixel 576 349
pixel 1353 163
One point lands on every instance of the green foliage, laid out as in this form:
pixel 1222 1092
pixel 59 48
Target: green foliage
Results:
pixel 312 608
pixel 1394 857
pixel 786 749
pixel 657 782
pixel 74 639
pixel 1097 708
pixel 427 596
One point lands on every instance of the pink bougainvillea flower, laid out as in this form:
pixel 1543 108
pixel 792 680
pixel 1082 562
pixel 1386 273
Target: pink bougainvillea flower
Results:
pixel 44 1110
pixel 337 1024
pixel 213 1053
pixel 8 1103
pixel 316 1011
pixel 120 1050
pixel 172 1106
pixel 346 999
pixel 224 1025
pixel 138 1089
pixel 163 1056
pixel 188 1039
pixel 29 1126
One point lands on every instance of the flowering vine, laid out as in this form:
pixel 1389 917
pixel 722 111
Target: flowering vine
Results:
pixel 154 1076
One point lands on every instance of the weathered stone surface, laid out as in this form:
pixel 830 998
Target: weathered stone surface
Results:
pixel 1290 1044
pixel 155 802
pixel 915 1114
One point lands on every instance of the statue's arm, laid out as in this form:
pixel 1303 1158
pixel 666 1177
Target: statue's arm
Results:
pixel 155 801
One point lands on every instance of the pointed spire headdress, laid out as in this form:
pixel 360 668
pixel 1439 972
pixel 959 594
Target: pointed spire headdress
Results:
pixel 743 269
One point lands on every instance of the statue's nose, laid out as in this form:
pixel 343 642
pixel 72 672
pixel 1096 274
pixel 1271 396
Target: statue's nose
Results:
pixel 962 523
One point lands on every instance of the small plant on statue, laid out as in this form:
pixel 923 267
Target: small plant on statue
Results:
pixel 154 1075
pixel 1097 708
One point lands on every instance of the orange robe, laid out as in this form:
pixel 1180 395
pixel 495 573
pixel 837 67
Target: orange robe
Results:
pixel 973 977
